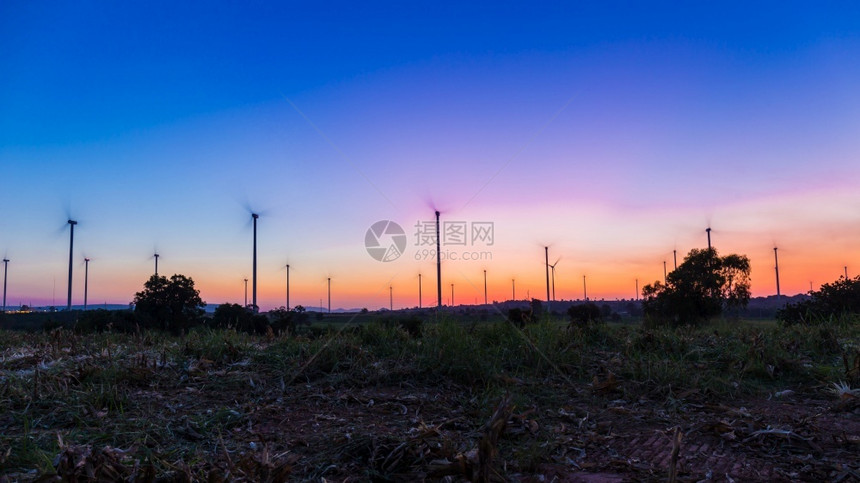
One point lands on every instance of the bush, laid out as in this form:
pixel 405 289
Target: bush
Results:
pixel 584 314
pixel 100 320
pixel 283 320
pixel 833 301
pixel 517 317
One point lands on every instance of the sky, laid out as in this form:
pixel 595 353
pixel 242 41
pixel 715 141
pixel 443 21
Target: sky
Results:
pixel 611 133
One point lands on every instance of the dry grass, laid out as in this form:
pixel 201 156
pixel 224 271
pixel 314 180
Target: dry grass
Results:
pixel 377 402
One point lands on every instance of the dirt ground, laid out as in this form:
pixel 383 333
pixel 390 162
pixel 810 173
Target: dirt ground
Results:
pixel 406 432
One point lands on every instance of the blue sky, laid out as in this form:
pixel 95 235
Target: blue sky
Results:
pixel 614 132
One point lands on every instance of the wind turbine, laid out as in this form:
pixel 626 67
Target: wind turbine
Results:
pixel 675 257
pixel 708 231
pixel 552 269
pixel 246 293
pixel 254 216
pixel 546 261
pixel 72 224
pixel 329 295
pixel 452 295
pixel 637 289
pixel 513 289
pixel 776 268
pixel 86 279
pixel 584 289
pixel 155 256
pixel 288 287
pixel 419 290
pixel 665 279
pixel 438 265
pixel 5 275
pixel 485 287
pixel 391 298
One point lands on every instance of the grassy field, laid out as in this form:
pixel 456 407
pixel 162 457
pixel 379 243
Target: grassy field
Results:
pixel 468 400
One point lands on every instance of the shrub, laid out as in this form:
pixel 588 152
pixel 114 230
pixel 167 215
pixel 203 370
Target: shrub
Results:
pixel 584 314
pixel 833 301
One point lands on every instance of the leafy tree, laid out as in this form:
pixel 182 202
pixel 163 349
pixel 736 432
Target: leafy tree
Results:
pixel 170 304
pixel 835 299
pixel 701 287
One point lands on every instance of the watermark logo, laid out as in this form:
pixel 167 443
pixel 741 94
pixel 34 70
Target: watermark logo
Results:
pixel 456 233
pixel 385 241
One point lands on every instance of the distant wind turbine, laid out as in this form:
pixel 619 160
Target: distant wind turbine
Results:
pixel 86 279
pixel 438 264
pixel 329 295
pixel 513 289
pixel 419 290
pixel 246 293
pixel 584 289
pixel 72 224
pixel 708 231
pixel 288 286
pixel 255 308
pixel 155 256
pixel 5 276
pixel 552 270
pixel 776 268
pixel 546 261
pixel 485 287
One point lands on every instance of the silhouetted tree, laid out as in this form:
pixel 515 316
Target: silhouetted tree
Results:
pixel 700 288
pixel 170 304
